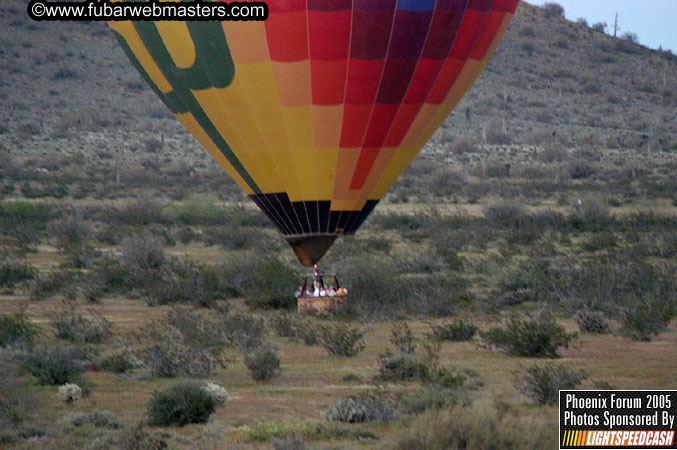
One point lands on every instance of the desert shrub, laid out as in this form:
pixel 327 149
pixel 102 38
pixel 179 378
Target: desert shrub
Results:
pixel 143 211
pixel 56 367
pixel 180 281
pixel 143 253
pixel 460 377
pixel 553 152
pixel 553 9
pixel 630 37
pixel 70 230
pixel 351 377
pixel 340 339
pixel 446 247
pixel 600 27
pixel 136 437
pixel 308 333
pixel 375 287
pixel 232 238
pixel 185 343
pixel 368 407
pixel 13 271
pixel 395 366
pixel 581 169
pixel 17 330
pixel 180 404
pixel 72 326
pixel 419 264
pixel 271 284
pixel 592 322
pixel 44 286
pixel 638 294
pixel 529 337
pixel 241 330
pixel 284 324
pixel 590 214
pixel 466 427
pixel 218 393
pixel 496 136
pixel 111 275
pixel 542 383
pixel 100 419
pixel 262 363
pixel 79 256
pixel 432 397
pixel 457 331
pixel 69 393
pixel 645 316
pixel 505 214
pixel 21 213
pixel 402 337
pixel 116 363
pixel 515 297
pixel 199 209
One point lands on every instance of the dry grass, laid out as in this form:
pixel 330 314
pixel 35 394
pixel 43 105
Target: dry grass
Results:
pixel 311 381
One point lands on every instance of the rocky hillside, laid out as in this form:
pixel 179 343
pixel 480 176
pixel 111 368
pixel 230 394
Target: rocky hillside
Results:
pixel 67 87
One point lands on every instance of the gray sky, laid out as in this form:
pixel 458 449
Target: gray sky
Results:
pixel 654 21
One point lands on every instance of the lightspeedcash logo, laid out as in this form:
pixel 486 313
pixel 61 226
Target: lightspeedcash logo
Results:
pixel 617 419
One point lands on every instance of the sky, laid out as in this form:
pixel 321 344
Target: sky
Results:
pixel 654 21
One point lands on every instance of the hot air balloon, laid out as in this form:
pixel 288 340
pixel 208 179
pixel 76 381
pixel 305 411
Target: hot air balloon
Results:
pixel 316 111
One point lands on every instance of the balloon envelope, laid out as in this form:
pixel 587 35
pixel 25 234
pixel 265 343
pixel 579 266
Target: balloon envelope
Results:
pixel 316 111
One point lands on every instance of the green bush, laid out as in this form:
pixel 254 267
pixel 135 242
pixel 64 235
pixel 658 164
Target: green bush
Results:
pixel 432 397
pixel 506 215
pixel 198 209
pixel 16 329
pixel 340 339
pixel 262 363
pixel 56 367
pixel 375 288
pixel 116 363
pixel 646 316
pixel 457 331
pixel 180 404
pixel 530 338
pixel 271 284
pixel 351 377
pixel 542 383
pixel 395 366
pixel 13 271
pixel 142 211
pixel 457 378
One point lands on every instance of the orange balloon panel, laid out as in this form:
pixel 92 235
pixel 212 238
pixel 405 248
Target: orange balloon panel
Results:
pixel 316 111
